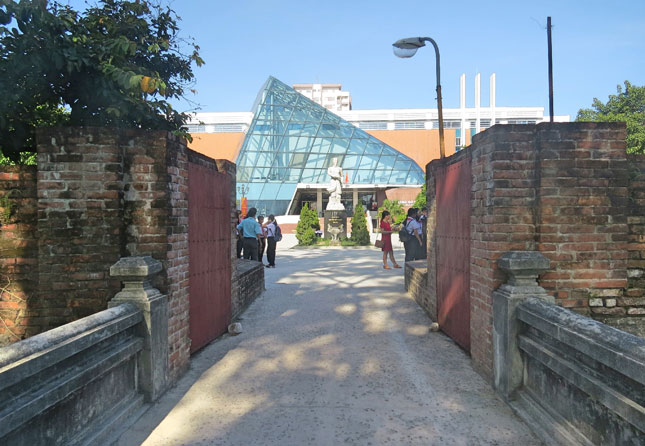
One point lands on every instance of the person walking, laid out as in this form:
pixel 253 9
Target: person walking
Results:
pixel 252 232
pixel 263 239
pixel 413 245
pixel 386 237
pixel 270 226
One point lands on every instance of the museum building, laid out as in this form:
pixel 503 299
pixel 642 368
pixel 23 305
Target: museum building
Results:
pixel 284 147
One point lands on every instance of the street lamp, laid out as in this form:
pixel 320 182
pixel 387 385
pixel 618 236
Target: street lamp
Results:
pixel 405 48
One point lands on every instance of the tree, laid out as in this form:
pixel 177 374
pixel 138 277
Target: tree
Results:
pixel 307 225
pixel 395 209
pixel 360 234
pixel 421 199
pixel 625 106
pixel 117 65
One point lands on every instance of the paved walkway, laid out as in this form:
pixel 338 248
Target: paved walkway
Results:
pixel 334 353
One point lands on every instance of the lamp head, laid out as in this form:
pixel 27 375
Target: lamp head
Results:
pixel 405 48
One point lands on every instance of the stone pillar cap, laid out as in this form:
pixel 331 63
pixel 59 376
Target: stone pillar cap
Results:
pixel 141 267
pixel 523 260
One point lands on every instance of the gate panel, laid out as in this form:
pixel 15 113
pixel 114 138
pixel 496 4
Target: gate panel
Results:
pixel 209 244
pixel 453 195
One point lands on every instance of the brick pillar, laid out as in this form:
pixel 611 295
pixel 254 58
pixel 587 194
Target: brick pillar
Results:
pixel 156 224
pixel 582 214
pixel 79 222
pixel 230 169
pixel 633 300
pixel 502 219
pixel 18 252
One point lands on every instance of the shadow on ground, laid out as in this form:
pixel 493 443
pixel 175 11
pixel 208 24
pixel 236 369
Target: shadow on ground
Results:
pixel 334 352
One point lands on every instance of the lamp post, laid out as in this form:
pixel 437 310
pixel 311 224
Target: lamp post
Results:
pixel 406 48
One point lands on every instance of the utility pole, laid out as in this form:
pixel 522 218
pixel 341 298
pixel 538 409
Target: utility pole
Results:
pixel 548 34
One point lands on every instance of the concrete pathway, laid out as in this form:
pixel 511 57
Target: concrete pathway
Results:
pixel 334 353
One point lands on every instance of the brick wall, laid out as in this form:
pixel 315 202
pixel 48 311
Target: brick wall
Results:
pixel 582 215
pixel 632 302
pixel 416 284
pixel 503 196
pixel 230 169
pixel 562 189
pixel 18 250
pixel 79 224
pixel 101 194
pixel 249 283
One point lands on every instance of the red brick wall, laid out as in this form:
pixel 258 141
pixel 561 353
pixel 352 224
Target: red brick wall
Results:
pixel 582 214
pixel 633 301
pixel 18 250
pixel 230 169
pixel 562 189
pixel 503 196
pixel 101 194
pixel 79 223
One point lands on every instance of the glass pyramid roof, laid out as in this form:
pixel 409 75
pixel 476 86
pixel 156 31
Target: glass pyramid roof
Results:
pixel 293 140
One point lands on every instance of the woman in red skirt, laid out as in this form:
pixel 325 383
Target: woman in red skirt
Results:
pixel 386 231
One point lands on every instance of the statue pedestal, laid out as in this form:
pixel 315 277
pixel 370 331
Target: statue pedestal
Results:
pixel 335 224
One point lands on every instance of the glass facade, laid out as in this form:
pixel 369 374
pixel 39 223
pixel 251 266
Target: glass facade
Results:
pixel 293 140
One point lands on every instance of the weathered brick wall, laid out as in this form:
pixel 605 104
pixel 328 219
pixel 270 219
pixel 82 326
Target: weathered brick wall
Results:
pixel 503 195
pixel 79 223
pixel 249 283
pixel 416 284
pixel 633 301
pixel 562 189
pixel 102 194
pixel 18 250
pixel 582 215
pixel 230 169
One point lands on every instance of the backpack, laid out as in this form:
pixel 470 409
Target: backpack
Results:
pixel 277 235
pixel 404 235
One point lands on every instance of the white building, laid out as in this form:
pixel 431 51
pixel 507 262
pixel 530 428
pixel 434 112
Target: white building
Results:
pixel 329 96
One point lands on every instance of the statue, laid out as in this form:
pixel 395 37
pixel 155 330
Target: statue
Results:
pixel 335 189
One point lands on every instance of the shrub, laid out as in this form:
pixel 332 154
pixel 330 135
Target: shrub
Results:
pixel 395 209
pixel 360 235
pixel 307 225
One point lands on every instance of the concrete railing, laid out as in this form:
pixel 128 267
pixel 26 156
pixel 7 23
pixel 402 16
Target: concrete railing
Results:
pixel 83 382
pixel 573 379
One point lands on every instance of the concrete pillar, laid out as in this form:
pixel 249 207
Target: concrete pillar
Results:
pixel 354 199
pixel 478 100
pixel 523 269
pixel 136 273
pixel 319 201
pixel 492 98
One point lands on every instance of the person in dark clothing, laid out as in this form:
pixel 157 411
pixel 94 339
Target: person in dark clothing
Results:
pixel 423 219
pixel 413 245
pixel 251 231
pixel 271 243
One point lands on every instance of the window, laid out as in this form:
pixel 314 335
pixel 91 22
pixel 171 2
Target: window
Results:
pixel 372 125
pixel 223 128
pixel 451 124
pixel 521 121
pixel 409 125
pixel 196 128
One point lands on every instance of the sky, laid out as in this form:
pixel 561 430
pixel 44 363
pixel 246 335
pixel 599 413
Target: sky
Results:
pixel 597 44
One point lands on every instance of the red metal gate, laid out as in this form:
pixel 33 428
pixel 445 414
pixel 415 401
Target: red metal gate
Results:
pixel 209 245
pixel 453 195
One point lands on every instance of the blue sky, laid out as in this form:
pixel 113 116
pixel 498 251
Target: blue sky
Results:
pixel 597 44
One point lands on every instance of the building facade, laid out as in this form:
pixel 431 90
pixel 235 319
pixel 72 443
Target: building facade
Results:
pixel 284 142
pixel 329 96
